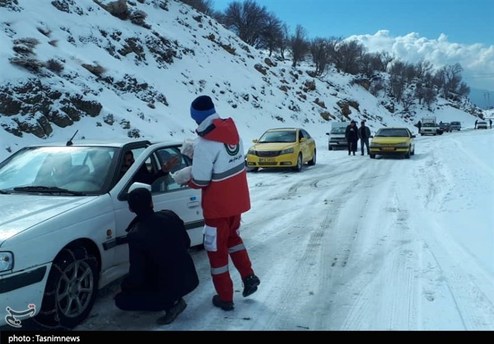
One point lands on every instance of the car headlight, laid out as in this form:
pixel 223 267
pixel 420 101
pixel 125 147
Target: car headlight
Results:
pixel 251 152
pixel 6 261
pixel 287 151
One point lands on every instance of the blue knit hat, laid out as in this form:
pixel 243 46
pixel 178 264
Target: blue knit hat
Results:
pixel 201 108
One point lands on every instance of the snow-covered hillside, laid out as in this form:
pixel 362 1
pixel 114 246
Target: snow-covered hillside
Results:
pixel 71 65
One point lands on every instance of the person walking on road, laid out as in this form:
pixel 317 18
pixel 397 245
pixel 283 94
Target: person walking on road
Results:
pixel 218 168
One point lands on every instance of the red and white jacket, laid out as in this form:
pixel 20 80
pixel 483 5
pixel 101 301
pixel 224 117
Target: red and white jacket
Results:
pixel 218 168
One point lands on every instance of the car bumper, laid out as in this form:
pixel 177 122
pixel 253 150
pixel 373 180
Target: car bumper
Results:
pixel 281 161
pixel 20 292
pixel 389 150
pixel 341 145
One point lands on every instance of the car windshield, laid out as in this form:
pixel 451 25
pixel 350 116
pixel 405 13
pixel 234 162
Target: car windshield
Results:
pixel 338 130
pixel 392 133
pixel 278 136
pixel 58 170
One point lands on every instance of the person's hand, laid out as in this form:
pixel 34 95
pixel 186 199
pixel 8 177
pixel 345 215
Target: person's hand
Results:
pixel 169 164
pixel 182 176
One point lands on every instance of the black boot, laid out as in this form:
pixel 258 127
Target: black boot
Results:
pixel 172 313
pixel 250 285
pixel 224 305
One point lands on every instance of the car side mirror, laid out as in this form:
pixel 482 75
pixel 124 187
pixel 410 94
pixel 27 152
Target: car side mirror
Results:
pixel 255 141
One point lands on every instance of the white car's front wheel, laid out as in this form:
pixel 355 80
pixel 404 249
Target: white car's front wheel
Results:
pixel 70 290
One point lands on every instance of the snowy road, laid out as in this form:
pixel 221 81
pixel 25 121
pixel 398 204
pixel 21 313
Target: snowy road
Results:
pixel 358 244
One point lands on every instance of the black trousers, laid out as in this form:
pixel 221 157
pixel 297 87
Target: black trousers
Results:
pixel 364 142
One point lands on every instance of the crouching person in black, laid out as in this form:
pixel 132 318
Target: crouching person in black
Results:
pixel 161 269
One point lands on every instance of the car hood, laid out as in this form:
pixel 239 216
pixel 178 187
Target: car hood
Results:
pixel 19 212
pixel 390 140
pixel 274 146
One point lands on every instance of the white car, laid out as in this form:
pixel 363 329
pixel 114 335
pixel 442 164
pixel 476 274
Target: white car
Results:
pixel 63 211
pixel 482 125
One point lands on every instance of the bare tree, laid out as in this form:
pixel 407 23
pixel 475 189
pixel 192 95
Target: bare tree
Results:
pixel 285 40
pixel 271 34
pixel 429 96
pixel 370 64
pixel 423 68
pixel 463 90
pixel 349 54
pixel 448 79
pixel 247 20
pixel 320 51
pixel 397 79
pixel 299 45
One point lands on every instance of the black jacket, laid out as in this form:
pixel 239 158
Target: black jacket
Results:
pixel 364 133
pixel 159 258
pixel 351 133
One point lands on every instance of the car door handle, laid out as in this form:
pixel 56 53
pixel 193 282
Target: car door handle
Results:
pixel 193 204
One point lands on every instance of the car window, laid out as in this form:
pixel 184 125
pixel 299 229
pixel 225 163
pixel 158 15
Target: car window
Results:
pixel 392 133
pixel 338 130
pixel 72 168
pixel 166 183
pixel 305 133
pixel 278 136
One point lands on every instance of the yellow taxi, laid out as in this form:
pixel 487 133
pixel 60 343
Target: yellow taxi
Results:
pixel 282 148
pixel 392 141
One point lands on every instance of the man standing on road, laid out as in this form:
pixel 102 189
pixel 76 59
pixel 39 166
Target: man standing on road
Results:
pixel 364 135
pixel 351 135
pixel 218 168
pixel 419 126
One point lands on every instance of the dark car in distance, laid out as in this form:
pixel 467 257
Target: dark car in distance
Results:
pixel 455 125
pixel 445 127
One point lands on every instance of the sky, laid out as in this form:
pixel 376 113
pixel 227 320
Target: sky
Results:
pixel 351 243
pixel 443 32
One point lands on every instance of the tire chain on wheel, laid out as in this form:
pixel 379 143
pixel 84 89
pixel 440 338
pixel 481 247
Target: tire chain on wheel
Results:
pixel 48 315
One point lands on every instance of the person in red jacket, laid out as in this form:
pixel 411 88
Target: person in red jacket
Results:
pixel 218 168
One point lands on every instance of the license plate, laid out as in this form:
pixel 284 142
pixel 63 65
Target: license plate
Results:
pixel 387 149
pixel 266 160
